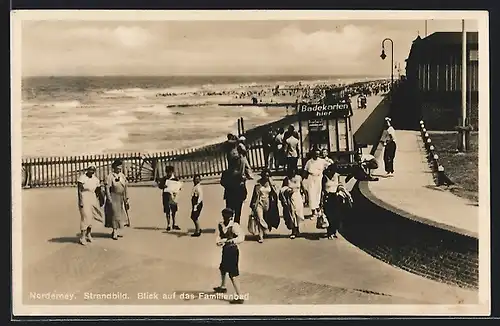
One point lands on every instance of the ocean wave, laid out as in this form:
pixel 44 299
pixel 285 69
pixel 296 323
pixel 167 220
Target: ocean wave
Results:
pixel 58 104
pixel 254 111
pixel 160 109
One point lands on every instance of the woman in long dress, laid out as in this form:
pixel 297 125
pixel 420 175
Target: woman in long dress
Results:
pixel 117 200
pixel 264 206
pixel 88 185
pixel 293 204
pixel 314 173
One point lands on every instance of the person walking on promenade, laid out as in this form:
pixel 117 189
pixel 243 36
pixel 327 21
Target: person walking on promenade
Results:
pixel 231 149
pixel 314 172
pixel 264 206
pixel 279 154
pixel 117 200
pixel 293 204
pixel 229 236
pixel 332 186
pixel 363 170
pixel 292 151
pixel 88 186
pixel 389 142
pixel 324 155
pixel 267 144
pixel 234 182
pixel 171 187
pixel 197 204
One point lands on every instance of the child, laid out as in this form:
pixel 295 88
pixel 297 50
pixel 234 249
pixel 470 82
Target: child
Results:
pixel 230 235
pixel 171 186
pixel 197 203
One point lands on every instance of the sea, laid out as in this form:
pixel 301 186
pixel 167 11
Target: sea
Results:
pixel 72 116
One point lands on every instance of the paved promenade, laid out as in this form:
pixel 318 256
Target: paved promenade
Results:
pixel 310 270
pixel 412 192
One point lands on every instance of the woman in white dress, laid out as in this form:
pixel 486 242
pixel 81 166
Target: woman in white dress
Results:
pixel 88 185
pixel 314 173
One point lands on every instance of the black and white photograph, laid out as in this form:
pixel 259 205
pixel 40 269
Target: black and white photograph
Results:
pixel 237 163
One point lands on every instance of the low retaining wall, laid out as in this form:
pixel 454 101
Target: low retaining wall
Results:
pixel 422 249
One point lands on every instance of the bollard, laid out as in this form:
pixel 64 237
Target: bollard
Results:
pixel 426 135
pixel 435 157
pixel 421 122
pixel 431 147
pixel 441 179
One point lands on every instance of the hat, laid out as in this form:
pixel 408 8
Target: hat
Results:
pixel 387 119
pixel 242 138
pixel 91 167
pixel 227 212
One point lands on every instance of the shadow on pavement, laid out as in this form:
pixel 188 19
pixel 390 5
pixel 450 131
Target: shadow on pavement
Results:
pixel 77 237
pixel 189 232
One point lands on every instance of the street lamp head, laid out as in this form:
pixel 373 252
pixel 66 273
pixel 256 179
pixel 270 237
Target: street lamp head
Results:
pixel 383 56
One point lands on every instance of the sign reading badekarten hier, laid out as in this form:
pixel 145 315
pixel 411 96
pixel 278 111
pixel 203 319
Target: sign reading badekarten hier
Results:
pixel 324 111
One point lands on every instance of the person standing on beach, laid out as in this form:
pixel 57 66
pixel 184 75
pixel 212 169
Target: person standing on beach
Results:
pixel 88 186
pixel 292 152
pixel 117 200
pixel 389 142
pixel 197 203
pixel 229 236
pixel 171 187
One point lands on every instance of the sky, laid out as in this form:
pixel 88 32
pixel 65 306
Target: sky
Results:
pixel 292 47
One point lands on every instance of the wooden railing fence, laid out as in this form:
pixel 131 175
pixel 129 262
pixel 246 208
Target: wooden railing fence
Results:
pixel 138 167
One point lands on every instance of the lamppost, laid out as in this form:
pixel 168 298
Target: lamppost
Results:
pixel 383 56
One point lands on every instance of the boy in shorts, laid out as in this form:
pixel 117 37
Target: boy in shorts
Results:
pixel 170 186
pixel 229 236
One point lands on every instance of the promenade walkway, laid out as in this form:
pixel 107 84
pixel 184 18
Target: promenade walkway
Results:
pixel 280 271
pixel 411 191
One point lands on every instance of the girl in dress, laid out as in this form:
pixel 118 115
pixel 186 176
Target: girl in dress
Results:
pixel 264 205
pixel 314 173
pixel 117 200
pixel 197 203
pixel 88 185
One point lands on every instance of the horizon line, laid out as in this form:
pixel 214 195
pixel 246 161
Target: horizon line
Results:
pixel 209 75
